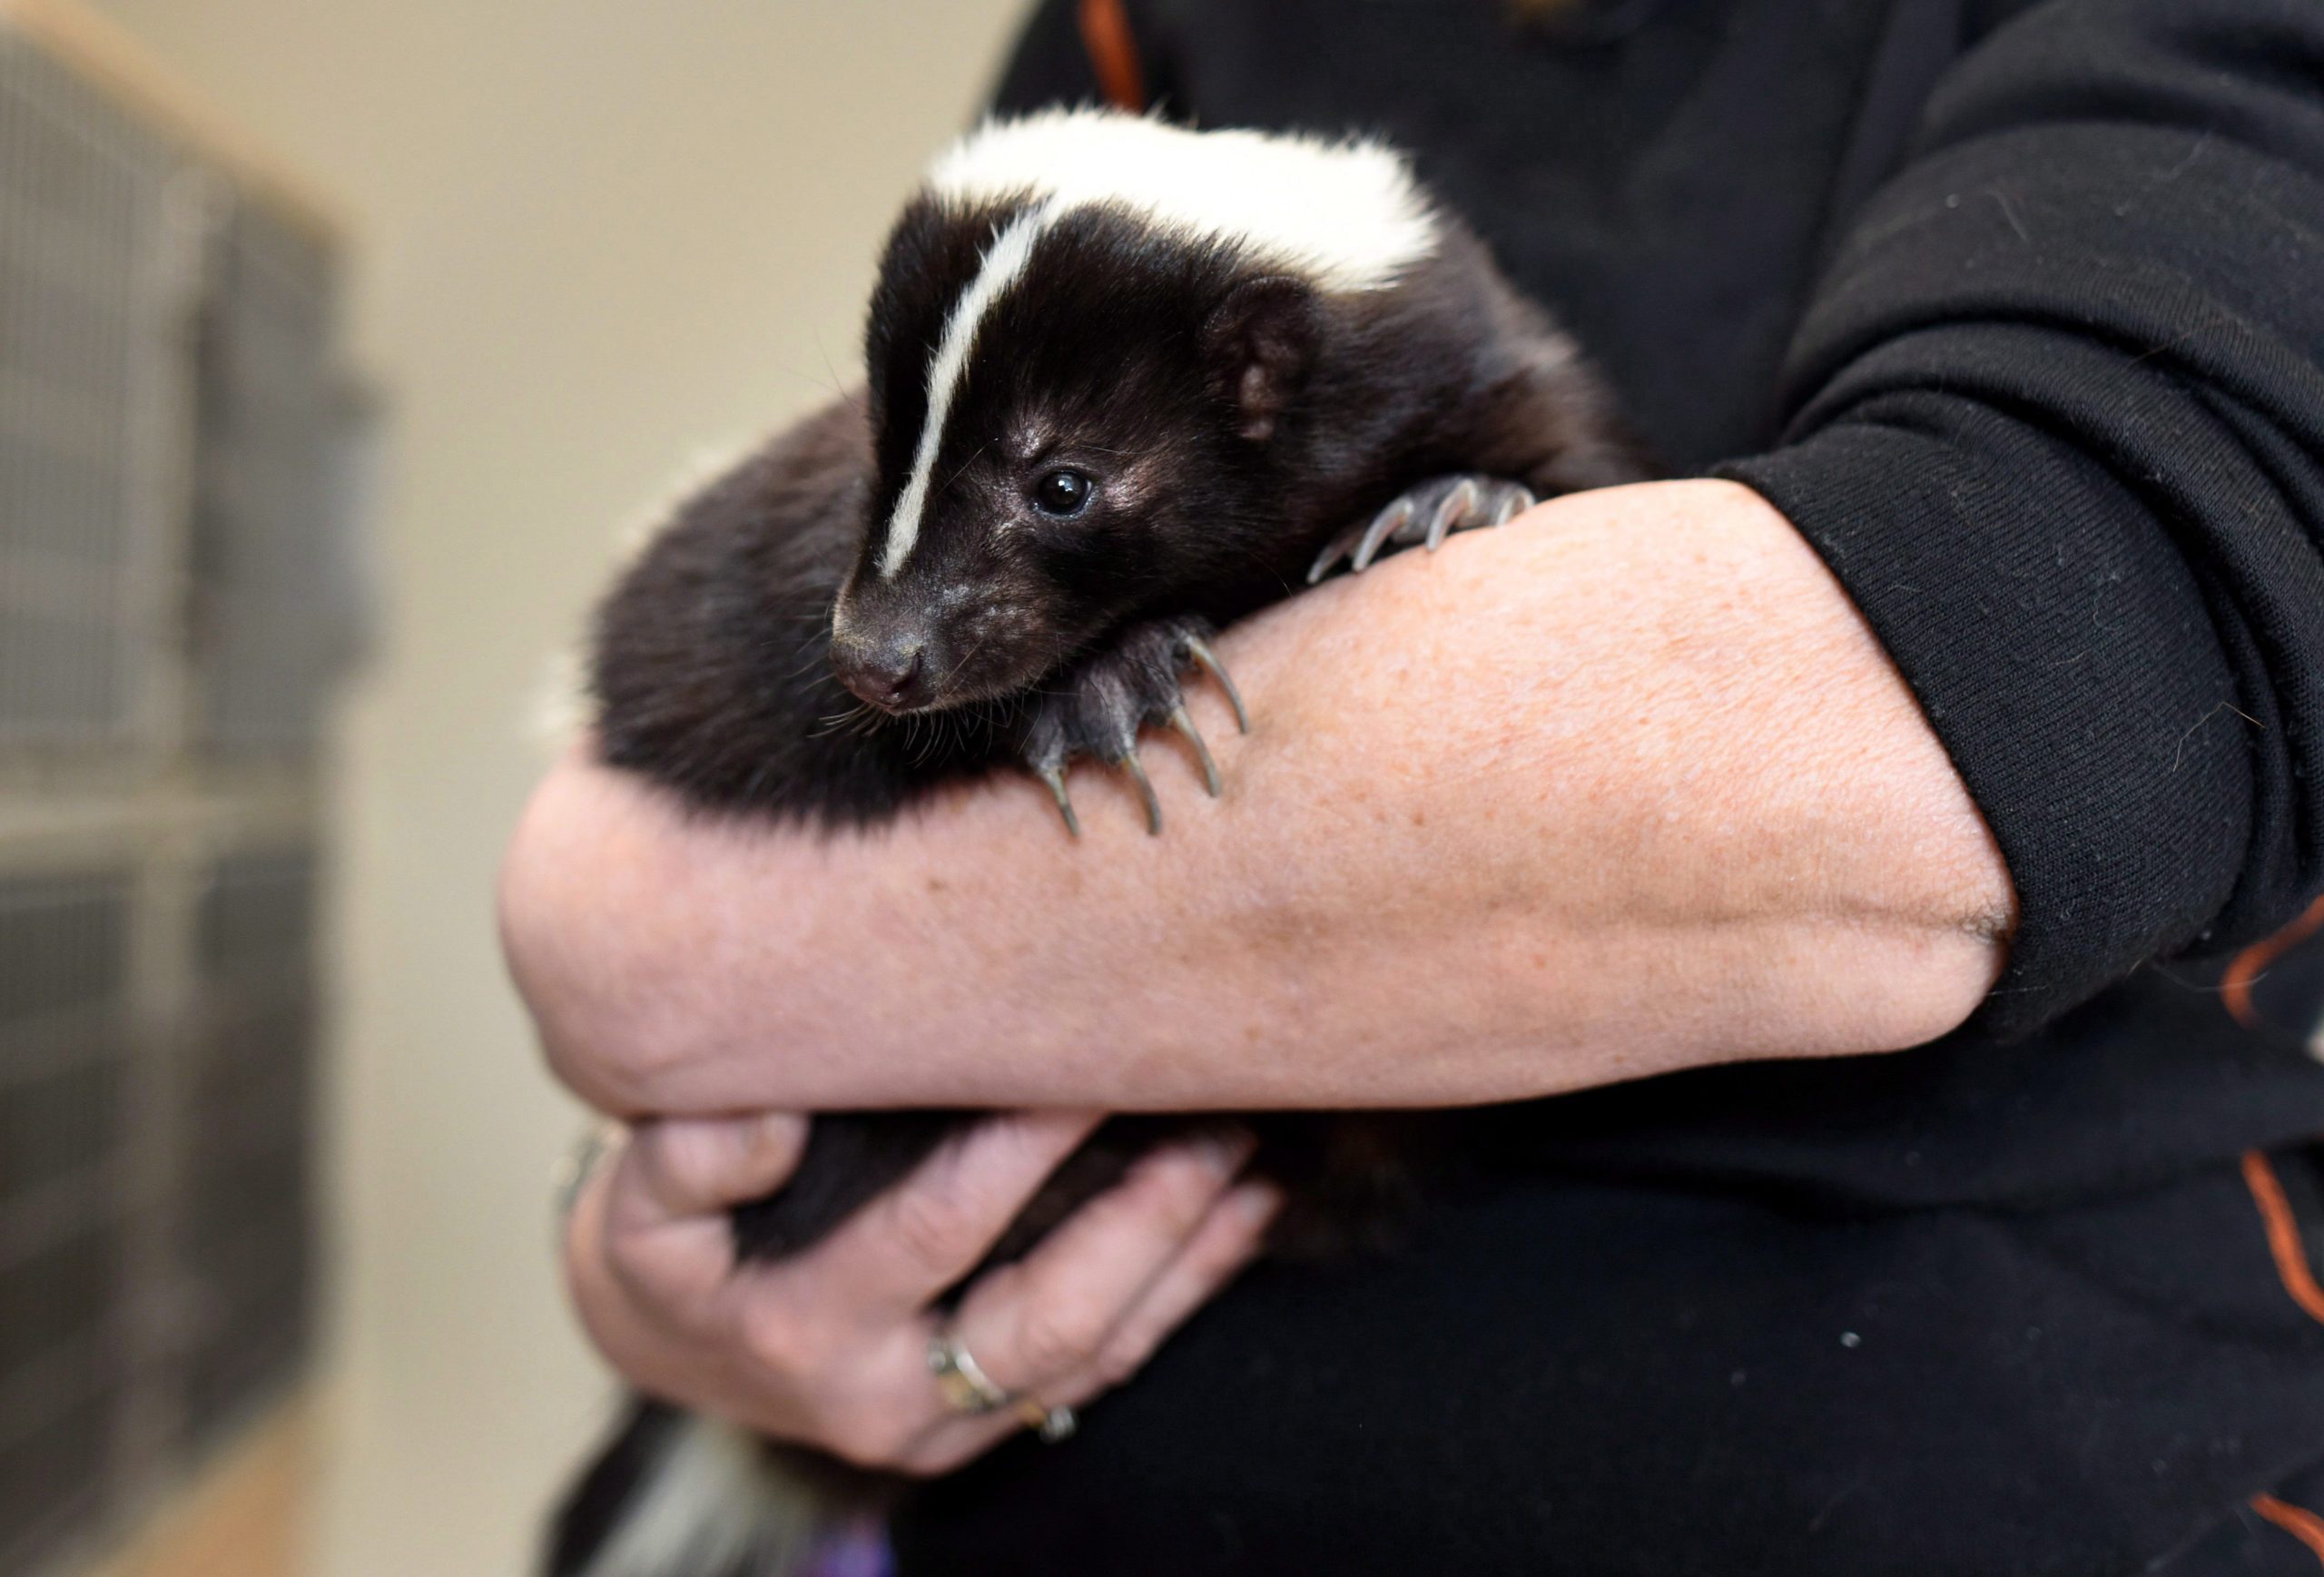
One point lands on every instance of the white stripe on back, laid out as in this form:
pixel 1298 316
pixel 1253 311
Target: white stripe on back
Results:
pixel 1003 262
pixel 707 1500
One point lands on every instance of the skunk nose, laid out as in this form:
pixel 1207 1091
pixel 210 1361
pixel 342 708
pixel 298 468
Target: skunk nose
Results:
pixel 887 673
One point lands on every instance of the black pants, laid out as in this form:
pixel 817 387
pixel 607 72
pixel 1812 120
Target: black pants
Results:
pixel 1639 1380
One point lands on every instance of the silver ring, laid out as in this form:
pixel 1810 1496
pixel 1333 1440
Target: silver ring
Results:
pixel 968 1389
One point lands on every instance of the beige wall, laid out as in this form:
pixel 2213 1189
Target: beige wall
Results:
pixel 595 236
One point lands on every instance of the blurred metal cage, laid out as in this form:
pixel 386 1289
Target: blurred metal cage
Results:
pixel 247 1219
pixel 174 610
pixel 269 410
pixel 82 199
pixel 66 1058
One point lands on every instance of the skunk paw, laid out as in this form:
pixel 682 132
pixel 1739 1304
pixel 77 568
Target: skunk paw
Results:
pixel 1426 513
pixel 1097 707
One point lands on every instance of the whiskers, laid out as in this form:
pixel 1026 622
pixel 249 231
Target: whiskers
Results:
pixel 923 736
pixel 928 734
pixel 860 718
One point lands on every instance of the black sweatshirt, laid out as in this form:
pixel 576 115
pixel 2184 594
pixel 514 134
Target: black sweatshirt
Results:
pixel 2017 311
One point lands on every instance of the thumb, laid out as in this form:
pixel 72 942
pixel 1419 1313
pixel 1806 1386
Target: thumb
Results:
pixel 699 1166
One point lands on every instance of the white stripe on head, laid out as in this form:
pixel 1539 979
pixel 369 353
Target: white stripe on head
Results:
pixel 1346 216
pixel 1004 261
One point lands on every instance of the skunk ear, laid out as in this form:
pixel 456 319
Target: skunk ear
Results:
pixel 1260 343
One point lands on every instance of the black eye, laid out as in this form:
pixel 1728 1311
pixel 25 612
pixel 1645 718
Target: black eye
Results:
pixel 1063 494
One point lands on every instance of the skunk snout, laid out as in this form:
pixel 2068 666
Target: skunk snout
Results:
pixel 918 648
pixel 889 670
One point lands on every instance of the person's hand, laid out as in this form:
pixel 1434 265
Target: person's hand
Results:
pixel 1623 787
pixel 830 1349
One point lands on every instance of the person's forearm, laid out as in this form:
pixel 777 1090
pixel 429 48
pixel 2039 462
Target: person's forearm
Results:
pixel 1623 787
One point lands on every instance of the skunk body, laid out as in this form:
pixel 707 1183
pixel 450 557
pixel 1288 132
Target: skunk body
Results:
pixel 1127 383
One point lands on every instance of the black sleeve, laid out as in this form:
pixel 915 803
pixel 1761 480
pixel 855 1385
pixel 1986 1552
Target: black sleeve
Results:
pixel 2058 425
pixel 1049 65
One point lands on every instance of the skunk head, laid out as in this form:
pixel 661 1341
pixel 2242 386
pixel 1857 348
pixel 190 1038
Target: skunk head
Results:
pixel 1086 352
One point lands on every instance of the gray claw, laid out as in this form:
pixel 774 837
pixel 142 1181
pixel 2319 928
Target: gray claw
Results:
pixel 1054 778
pixel 1325 559
pixel 1454 509
pixel 1513 503
pixel 1137 770
pixel 1199 649
pixel 1186 727
pixel 1393 518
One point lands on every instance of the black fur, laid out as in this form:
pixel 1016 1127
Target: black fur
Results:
pixel 1233 418
pixel 592 1507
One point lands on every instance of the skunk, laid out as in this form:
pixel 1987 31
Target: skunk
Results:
pixel 1126 383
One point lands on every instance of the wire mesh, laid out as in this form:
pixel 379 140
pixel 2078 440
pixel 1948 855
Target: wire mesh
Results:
pixel 173 606
pixel 80 192
pixel 64 1062
pixel 269 629
pixel 246 1213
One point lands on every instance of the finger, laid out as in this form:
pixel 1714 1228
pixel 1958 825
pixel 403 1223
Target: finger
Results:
pixel 1101 1257
pixel 1230 1235
pixel 706 1166
pixel 665 1237
pixel 630 1331
pixel 920 1237
pixel 1049 1314
pixel 677 1344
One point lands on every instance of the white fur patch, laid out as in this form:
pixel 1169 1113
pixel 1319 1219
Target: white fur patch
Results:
pixel 1347 215
pixel 561 711
pixel 707 1504
pixel 1003 262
